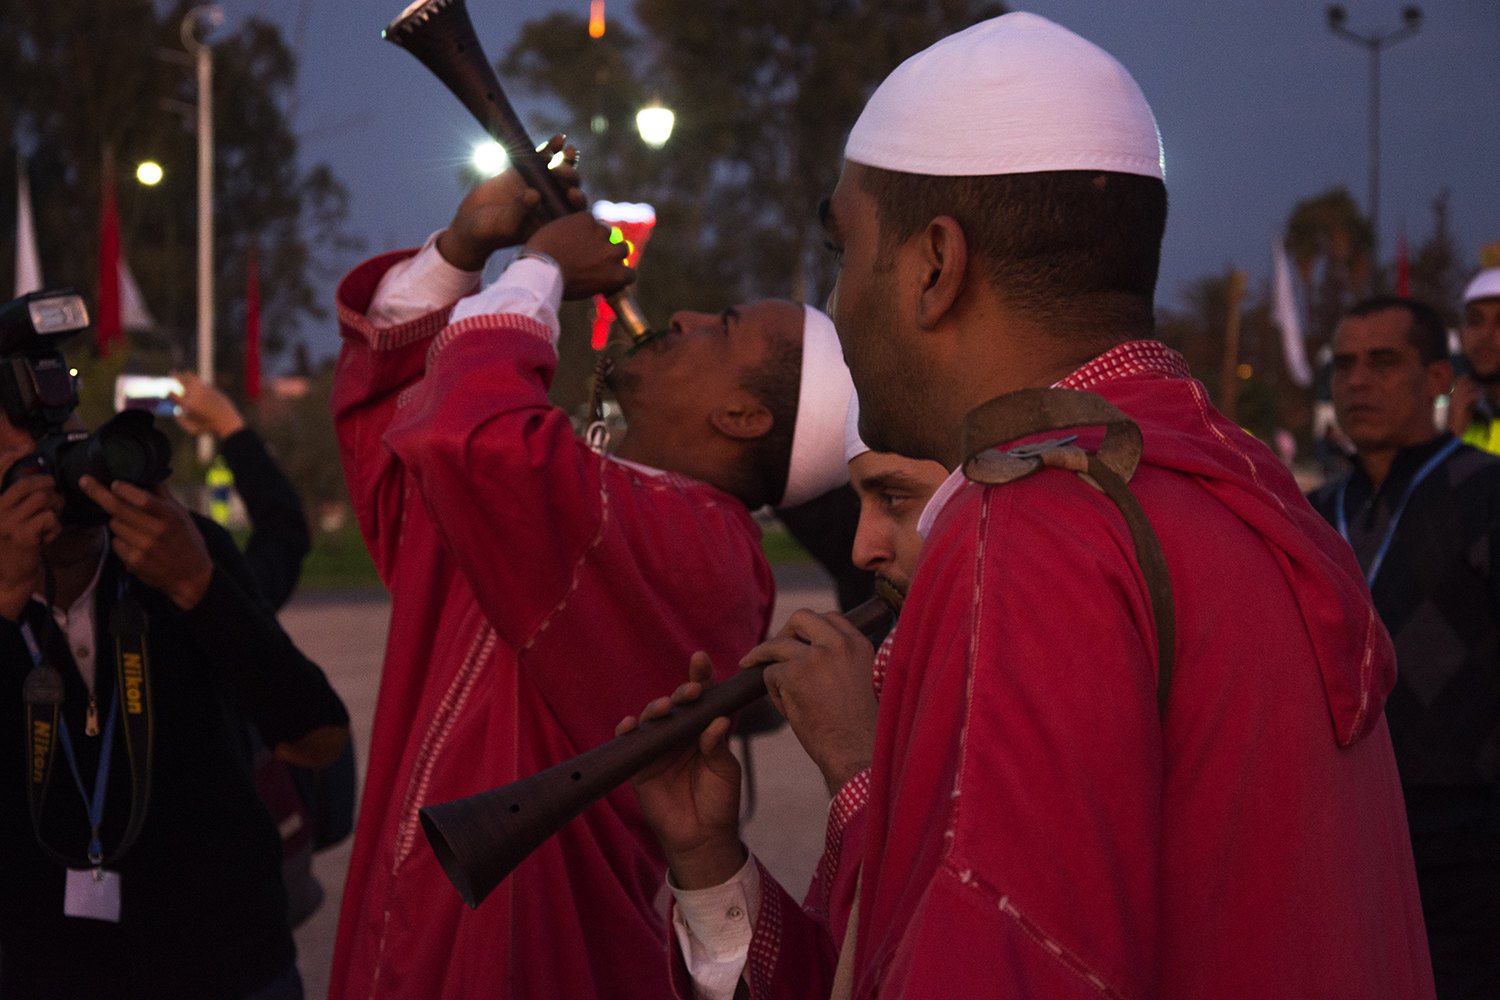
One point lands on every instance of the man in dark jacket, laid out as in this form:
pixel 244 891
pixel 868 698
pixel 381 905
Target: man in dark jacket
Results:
pixel 1422 512
pixel 163 877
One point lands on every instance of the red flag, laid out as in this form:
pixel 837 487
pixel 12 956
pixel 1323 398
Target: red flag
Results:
pixel 252 323
pixel 107 307
pixel 1403 267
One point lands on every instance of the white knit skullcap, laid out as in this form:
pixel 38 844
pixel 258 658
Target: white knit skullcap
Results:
pixel 1486 285
pixel 854 446
pixel 1015 94
pixel 818 464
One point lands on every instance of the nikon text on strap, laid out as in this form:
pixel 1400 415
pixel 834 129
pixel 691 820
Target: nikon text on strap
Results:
pixel 1029 412
pixel 43 695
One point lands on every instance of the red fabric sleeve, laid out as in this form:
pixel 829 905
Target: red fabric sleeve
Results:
pixel 506 481
pixel 375 366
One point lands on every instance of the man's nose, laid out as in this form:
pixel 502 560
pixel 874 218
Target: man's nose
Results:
pixel 870 551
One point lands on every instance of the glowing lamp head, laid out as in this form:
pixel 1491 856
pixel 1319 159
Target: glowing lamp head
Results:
pixel 655 124
pixel 490 158
pixel 148 173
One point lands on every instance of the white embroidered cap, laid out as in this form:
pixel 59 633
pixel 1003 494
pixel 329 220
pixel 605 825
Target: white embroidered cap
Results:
pixel 1486 285
pixel 818 464
pixel 1015 94
pixel 854 446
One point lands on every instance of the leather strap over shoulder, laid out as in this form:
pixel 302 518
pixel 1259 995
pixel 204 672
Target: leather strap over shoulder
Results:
pixel 1029 412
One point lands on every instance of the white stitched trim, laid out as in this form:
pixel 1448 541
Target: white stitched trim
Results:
pixel 765 944
pixel 496 321
pixel 1364 674
pixel 578 566
pixel 434 739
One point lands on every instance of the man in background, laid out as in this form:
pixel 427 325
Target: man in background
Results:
pixel 1422 513
pixel 1476 396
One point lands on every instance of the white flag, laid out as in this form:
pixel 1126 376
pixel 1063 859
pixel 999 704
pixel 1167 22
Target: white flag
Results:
pixel 133 312
pixel 1284 307
pixel 28 261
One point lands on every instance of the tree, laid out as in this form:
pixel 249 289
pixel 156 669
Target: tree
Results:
pixel 1434 270
pixel 1330 244
pixel 764 91
pixel 82 85
pixel 1266 398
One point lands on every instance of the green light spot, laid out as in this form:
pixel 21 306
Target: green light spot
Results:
pixel 615 235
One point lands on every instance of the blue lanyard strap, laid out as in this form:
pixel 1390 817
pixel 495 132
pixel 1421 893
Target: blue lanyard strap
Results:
pixel 1390 531
pixel 94 805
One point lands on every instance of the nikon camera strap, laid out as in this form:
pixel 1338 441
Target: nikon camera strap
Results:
pixel 43 693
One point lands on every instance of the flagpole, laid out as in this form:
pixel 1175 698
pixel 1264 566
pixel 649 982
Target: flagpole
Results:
pixel 203 54
pixel 28 261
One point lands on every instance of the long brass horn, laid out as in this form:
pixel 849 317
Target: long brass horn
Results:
pixel 441 36
pixel 482 838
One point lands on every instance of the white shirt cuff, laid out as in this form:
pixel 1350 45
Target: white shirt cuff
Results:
pixel 417 285
pixel 529 287
pixel 714 927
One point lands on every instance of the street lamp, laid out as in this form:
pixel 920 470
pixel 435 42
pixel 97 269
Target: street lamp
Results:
pixel 1411 17
pixel 149 173
pixel 204 57
pixel 655 125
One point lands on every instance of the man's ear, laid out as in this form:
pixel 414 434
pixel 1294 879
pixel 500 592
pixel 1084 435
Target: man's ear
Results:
pixel 943 260
pixel 742 417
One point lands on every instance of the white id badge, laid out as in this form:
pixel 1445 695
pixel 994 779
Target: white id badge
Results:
pixel 94 898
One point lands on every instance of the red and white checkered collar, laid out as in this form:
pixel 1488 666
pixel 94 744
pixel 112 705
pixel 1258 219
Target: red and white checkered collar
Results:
pixel 1132 358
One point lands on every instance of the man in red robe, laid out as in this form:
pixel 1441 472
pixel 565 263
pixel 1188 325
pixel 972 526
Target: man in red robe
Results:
pixel 1026 820
pixel 537 587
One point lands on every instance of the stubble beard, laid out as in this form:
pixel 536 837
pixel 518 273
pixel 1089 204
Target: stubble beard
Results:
pixel 898 401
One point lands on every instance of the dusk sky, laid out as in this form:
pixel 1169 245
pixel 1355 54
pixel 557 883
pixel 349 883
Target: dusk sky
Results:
pixel 1259 105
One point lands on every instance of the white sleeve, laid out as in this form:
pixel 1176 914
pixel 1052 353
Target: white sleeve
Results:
pixel 531 286
pixel 418 285
pixel 714 927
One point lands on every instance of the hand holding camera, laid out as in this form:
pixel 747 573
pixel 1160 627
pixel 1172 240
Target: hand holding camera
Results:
pixel 30 517
pixel 155 538
pixel 204 409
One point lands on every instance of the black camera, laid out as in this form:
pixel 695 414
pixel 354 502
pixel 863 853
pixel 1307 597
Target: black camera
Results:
pixel 40 392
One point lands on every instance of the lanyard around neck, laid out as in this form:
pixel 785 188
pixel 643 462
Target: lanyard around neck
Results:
pixel 46 728
pixel 1390 530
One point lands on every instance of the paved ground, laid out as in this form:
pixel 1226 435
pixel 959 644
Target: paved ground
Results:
pixel 345 633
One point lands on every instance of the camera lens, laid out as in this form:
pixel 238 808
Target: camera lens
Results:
pixel 129 447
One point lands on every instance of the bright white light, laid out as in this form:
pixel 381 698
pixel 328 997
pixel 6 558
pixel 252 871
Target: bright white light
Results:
pixel 655 125
pixel 624 211
pixel 490 158
pixel 148 173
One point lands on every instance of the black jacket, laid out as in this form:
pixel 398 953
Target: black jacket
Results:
pixel 1438 592
pixel 203 909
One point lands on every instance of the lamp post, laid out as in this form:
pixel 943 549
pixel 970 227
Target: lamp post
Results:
pixel 1411 17
pixel 204 59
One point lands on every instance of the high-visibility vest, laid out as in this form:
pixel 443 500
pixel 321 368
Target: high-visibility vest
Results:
pixel 1484 434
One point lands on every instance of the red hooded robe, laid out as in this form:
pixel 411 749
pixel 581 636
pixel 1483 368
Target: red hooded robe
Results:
pixel 1035 829
pixel 539 593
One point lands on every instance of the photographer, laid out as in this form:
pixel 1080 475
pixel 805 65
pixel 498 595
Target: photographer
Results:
pixel 279 539
pixel 136 858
